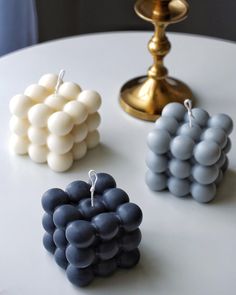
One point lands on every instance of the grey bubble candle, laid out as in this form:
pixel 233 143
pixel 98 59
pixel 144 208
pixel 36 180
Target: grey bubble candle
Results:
pixel 188 151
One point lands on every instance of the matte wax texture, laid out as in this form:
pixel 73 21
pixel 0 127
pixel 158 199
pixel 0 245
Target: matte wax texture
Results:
pixel 55 123
pixel 86 240
pixel 188 152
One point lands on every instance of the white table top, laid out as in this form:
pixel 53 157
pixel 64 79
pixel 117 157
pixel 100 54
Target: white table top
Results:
pixel 187 248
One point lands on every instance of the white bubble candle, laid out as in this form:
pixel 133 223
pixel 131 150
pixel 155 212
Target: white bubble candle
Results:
pixel 55 122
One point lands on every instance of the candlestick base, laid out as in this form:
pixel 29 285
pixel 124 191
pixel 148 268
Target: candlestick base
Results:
pixel 144 97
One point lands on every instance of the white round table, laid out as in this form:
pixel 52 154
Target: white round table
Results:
pixel 187 247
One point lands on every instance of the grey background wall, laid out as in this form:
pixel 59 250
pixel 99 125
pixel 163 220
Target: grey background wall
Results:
pixel 60 18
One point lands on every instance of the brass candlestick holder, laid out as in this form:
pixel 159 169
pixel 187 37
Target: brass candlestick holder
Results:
pixel 144 97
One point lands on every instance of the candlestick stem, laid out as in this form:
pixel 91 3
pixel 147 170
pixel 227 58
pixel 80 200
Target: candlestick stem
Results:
pixel 144 97
pixel 158 46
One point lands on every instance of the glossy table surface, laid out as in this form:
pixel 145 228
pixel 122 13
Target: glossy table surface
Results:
pixel 187 248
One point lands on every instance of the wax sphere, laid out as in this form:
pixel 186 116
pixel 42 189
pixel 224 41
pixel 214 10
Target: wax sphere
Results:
pixel 20 105
pixel 91 99
pixel 49 81
pixel 131 240
pixel 38 135
pixel 38 153
pixel 203 193
pixel 130 215
pixel 107 225
pixel 60 163
pixel 107 250
pixel 19 144
pixel 36 92
pixel 167 123
pixel 53 198
pixel 79 150
pixel 156 181
pixel 80 257
pixel 79 277
pixel 178 187
pixel 88 211
pixel 80 233
pixel 19 126
pixel 182 147
pixel 78 190
pixel 205 174
pixel 93 121
pixel 64 214
pixel 56 102
pixel 159 141
pixel 228 146
pixel 180 169
pixel 105 268
pixel 200 117
pixel 60 123
pixel 59 238
pixel 60 144
pixel 104 182
pixel 77 111
pixel 174 110
pixel 156 163
pixel 215 134
pixel 60 258
pixel 69 90
pixel 221 160
pixel 114 197
pixel 207 153
pixel 221 121
pixel 193 131
pixel 48 243
pixel 48 223
pixel 80 132
pixel 128 259
pixel 38 115
pixel 92 139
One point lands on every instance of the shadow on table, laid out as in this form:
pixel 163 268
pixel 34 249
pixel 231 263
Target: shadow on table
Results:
pixel 98 158
pixel 226 192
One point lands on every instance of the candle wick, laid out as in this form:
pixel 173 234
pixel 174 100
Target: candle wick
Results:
pixel 60 80
pixel 188 105
pixel 93 178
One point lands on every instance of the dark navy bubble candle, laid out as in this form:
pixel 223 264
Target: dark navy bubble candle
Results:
pixel 91 228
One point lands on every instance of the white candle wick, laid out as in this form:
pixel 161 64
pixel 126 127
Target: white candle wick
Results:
pixel 60 80
pixel 188 105
pixel 93 178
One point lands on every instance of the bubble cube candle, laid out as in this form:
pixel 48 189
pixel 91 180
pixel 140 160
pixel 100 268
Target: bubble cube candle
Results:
pixel 188 151
pixel 95 238
pixel 55 122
